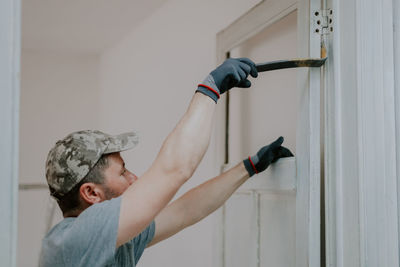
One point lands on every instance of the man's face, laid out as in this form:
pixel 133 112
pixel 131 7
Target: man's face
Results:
pixel 116 177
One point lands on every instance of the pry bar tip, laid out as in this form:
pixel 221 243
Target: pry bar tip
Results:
pixel 293 63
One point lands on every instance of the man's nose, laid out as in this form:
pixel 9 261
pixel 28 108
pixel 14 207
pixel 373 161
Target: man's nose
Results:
pixel 131 177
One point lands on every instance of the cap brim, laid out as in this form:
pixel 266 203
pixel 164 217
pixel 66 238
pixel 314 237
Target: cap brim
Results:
pixel 122 142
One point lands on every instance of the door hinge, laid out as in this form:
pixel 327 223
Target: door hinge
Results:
pixel 322 21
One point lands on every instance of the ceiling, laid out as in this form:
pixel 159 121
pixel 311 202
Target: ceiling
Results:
pixel 80 26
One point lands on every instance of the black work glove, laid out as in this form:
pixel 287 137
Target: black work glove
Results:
pixel 232 73
pixel 265 156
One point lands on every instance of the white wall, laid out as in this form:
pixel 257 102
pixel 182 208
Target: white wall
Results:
pixel 59 94
pixel 144 82
pixel 147 81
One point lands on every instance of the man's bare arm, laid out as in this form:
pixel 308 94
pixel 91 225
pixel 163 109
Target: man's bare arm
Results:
pixel 197 203
pixel 179 156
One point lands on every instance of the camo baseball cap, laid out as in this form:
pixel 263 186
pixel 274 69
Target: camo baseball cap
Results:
pixel 71 159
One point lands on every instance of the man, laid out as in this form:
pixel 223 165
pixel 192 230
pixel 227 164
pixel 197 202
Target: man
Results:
pixel 110 215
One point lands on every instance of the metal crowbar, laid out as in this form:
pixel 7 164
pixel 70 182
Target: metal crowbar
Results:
pixel 292 63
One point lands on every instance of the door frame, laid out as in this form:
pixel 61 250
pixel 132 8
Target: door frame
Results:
pixel 10 28
pixel 362 152
pixel 308 159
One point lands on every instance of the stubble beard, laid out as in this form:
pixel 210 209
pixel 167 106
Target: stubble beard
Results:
pixel 109 193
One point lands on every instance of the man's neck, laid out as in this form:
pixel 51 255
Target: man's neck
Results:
pixel 74 213
pixel 77 211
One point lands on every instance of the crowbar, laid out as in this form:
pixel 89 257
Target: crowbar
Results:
pixel 292 63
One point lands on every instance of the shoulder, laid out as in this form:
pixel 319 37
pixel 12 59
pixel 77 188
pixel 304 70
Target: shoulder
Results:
pixel 56 234
pixel 102 216
pixel 87 236
pixel 107 208
pixel 52 244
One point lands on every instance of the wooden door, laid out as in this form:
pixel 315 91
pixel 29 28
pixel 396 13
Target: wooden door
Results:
pixel 273 219
pixel 263 210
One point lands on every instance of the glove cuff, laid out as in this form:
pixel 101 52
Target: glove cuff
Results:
pixel 250 166
pixel 209 88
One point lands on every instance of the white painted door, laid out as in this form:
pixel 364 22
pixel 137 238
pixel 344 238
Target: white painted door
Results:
pixel 260 218
pixel 270 220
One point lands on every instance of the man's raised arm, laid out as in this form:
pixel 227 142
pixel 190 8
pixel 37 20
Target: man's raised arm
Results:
pixel 181 152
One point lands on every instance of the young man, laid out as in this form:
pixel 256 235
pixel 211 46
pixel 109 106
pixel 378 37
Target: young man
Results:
pixel 111 215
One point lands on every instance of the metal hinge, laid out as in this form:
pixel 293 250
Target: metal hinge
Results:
pixel 323 21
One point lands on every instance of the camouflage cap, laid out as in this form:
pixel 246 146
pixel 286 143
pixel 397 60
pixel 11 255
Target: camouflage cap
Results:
pixel 71 159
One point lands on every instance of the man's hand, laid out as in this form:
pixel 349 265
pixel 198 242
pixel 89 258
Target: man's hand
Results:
pixel 265 156
pixel 232 73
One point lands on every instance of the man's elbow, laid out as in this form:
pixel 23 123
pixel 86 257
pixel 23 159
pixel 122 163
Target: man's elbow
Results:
pixel 179 167
pixel 182 172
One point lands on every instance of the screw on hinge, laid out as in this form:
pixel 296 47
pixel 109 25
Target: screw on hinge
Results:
pixel 323 21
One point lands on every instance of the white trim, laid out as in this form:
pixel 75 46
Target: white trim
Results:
pixel 332 149
pixel 341 140
pixel 33 186
pixel 308 143
pixel 360 166
pixel 396 52
pixel 256 227
pixel 10 20
pixel 332 137
pixel 377 180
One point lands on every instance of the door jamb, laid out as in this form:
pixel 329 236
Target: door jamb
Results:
pixel 10 27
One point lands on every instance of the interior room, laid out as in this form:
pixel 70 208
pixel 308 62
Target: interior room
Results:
pixel 115 66
pixel 223 190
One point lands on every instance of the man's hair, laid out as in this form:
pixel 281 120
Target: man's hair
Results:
pixel 71 200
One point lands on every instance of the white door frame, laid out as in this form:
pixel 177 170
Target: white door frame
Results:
pixel 308 160
pixel 362 116
pixel 10 24
pixel 396 43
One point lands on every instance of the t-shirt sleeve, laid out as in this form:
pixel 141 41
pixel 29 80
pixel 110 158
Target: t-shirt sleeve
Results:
pixel 142 240
pixel 91 240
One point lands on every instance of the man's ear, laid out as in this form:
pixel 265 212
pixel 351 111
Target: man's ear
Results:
pixel 91 193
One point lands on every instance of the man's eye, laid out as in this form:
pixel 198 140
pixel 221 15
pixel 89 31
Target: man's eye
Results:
pixel 122 173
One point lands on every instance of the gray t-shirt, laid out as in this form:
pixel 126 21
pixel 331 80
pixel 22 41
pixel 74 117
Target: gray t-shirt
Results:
pixel 90 240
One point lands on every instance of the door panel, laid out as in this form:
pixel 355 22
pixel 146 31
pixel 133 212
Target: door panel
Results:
pixel 260 218
pixel 277 229
pixel 269 108
pixel 239 218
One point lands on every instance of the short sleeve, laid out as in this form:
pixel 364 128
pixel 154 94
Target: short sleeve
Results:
pixel 142 240
pixel 91 239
